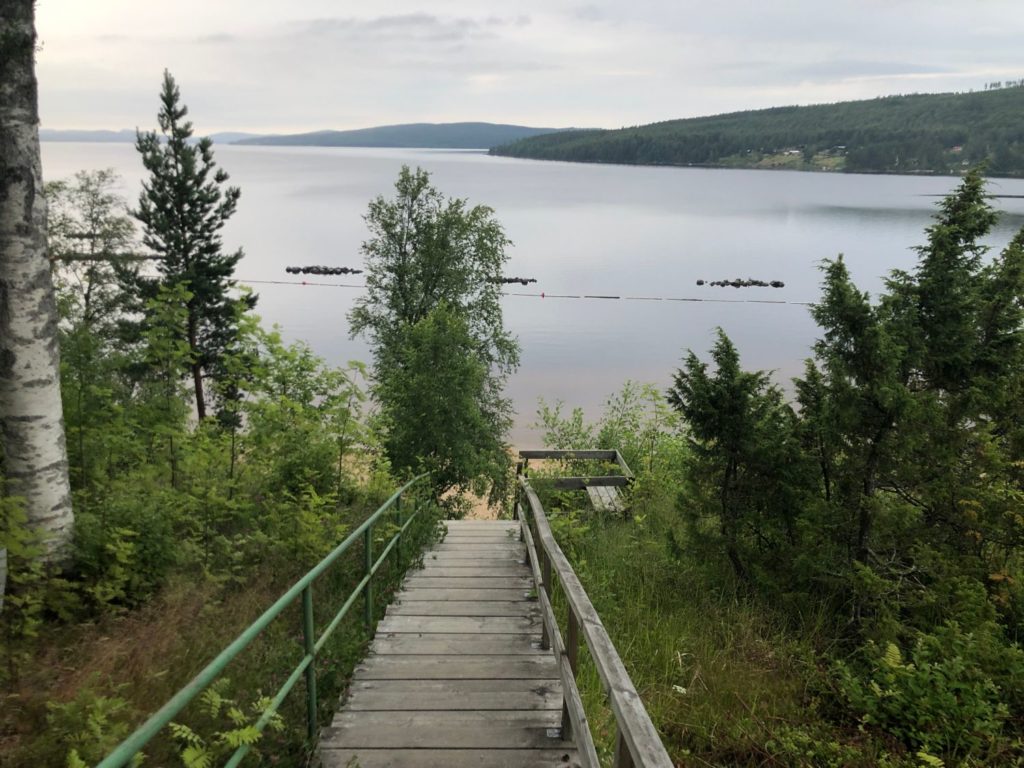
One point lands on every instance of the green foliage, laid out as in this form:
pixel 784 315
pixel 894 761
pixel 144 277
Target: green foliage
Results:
pixel 938 133
pixel 230 726
pixel 432 312
pixel 948 697
pixel 811 747
pixel 745 461
pixel 436 407
pixel 22 605
pixel 893 497
pixel 89 726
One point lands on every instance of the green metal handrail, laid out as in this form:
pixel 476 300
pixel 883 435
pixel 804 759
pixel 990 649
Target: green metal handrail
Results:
pixel 131 746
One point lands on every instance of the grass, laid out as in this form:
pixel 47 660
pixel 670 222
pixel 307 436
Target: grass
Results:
pixel 144 656
pixel 725 682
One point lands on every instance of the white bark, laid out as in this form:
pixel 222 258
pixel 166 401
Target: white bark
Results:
pixel 31 420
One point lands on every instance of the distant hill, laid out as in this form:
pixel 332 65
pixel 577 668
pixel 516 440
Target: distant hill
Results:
pixel 922 133
pixel 126 135
pixel 411 135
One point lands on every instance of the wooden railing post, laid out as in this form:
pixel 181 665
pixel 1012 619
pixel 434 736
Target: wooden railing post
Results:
pixel 545 564
pixel 368 568
pixel 309 643
pixel 623 759
pixel 572 648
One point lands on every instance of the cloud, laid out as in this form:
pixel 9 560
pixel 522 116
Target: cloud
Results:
pixel 265 65
pixel 217 38
pixel 401 27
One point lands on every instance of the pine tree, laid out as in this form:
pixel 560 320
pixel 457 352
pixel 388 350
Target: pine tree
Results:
pixel 182 208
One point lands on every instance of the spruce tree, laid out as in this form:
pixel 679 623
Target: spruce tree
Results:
pixel 183 207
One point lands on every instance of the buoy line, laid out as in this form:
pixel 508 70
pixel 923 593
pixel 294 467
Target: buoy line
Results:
pixel 545 295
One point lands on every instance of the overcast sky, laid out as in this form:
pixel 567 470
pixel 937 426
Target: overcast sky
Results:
pixel 297 65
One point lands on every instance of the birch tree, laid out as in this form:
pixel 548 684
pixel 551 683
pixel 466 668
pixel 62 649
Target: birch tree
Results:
pixel 31 421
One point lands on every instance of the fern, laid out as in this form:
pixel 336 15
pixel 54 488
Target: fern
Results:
pixel 893 658
pixel 930 760
pixel 195 756
pixel 182 732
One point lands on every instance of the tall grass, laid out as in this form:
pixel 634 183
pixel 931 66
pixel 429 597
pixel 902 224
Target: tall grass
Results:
pixel 726 682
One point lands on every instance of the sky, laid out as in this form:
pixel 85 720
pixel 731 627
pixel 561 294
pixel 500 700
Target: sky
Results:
pixel 298 65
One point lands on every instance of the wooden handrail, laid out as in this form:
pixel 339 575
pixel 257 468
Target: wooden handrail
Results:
pixel 638 743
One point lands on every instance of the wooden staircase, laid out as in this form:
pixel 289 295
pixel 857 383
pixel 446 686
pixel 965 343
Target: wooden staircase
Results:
pixel 456 675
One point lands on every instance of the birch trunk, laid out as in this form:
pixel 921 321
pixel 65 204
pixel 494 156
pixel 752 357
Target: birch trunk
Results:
pixel 31 417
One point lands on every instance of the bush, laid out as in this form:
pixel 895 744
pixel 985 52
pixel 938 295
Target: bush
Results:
pixel 947 698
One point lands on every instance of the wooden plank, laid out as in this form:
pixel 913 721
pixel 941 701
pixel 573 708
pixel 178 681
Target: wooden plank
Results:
pixel 512 595
pixel 402 718
pixel 449 758
pixel 606 499
pixel 473 543
pixel 469 560
pixel 540 687
pixel 441 570
pixel 438 695
pixel 590 455
pixel 447 644
pixel 500 555
pixel 460 608
pixel 450 702
pixel 477 545
pixel 539 667
pixel 481 539
pixel 597 499
pixel 623 466
pixel 507 561
pixel 488 625
pixel 448 581
pixel 377 732
pixel 579 483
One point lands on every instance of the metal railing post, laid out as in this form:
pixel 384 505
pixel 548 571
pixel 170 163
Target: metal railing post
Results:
pixel 398 536
pixel 309 641
pixel 368 559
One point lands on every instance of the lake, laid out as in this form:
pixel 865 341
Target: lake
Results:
pixel 606 230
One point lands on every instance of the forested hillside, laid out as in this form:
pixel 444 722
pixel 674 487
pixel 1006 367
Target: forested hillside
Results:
pixel 422 135
pixel 921 133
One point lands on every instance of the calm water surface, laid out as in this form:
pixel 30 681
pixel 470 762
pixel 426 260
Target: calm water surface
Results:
pixel 579 229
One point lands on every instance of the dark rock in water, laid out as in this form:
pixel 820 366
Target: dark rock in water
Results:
pixel 777 284
pixel 700 282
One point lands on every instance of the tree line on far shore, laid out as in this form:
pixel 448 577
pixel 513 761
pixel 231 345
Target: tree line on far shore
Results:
pixel 942 133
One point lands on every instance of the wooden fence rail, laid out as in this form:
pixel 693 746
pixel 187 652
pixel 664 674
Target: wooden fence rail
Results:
pixel 638 744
